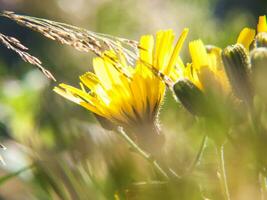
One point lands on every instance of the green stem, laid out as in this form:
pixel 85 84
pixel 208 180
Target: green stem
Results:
pixel 198 158
pixel 11 175
pixel 142 153
pixel 262 182
pixel 223 177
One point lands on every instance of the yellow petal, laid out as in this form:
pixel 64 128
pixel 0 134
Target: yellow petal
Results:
pixel 146 48
pixel 144 65
pixel 262 25
pixel 198 54
pixel 90 80
pixel 138 91
pixel 68 96
pixel 159 36
pixel 106 71
pixel 84 95
pixel 163 48
pixel 118 61
pixel 214 54
pixel 112 72
pixel 175 55
pixel 246 36
pixel 76 100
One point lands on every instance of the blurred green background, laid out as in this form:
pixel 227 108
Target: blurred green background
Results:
pixel 75 158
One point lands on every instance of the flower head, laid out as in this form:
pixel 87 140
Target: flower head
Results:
pixel 128 96
pixel 201 79
pixel 207 74
pixel 207 66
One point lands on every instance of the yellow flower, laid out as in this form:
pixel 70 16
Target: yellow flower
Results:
pixel 207 68
pixel 128 96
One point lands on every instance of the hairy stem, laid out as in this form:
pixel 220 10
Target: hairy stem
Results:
pixel 198 157
pixel 142 153
pixel 263 188
pixel 222 172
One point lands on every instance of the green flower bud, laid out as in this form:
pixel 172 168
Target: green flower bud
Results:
pixel 191 97
pixel 258 58
pixel 261 40
pixel 237 66
pixel 259 71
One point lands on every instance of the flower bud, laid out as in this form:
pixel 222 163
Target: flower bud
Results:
pixel 258 58
pixel 261 40
pixel 191 97
pixel 237 66
pixel 259 70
